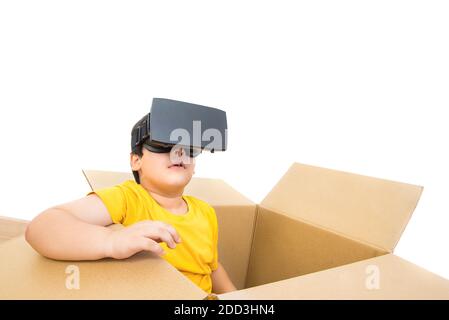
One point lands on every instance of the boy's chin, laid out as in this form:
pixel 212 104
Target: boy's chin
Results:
pixel 178 181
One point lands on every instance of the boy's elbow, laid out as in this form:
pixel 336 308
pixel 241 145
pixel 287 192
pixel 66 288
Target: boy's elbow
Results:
pixel 28 233
pixel 34 234
pixel 31 235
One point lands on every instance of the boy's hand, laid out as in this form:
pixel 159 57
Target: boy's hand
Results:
pixel 141 236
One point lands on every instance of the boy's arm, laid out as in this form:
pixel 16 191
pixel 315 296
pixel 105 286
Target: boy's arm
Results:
pixel 221 283
pixel 76 231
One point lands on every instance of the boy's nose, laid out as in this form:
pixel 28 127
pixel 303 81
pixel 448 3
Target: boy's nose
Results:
pixel 180 152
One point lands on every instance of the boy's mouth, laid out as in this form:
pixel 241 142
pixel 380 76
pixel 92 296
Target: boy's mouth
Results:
pixel 179 165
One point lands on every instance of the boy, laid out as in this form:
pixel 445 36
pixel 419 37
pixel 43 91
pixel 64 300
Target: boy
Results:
pixel 157 216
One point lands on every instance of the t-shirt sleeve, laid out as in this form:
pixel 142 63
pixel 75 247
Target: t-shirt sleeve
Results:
pixel 214 264
pixel 115 201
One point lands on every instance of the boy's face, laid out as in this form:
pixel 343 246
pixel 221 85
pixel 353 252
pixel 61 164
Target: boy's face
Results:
pixel 168 172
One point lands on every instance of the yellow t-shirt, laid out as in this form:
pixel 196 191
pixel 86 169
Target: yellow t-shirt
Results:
pixel 197 255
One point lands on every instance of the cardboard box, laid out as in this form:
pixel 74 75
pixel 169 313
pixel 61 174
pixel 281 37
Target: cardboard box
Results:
pixel 11 228
pixel 319 234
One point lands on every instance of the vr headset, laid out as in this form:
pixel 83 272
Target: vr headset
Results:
pixel 175 123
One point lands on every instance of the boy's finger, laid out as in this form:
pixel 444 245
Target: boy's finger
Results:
pixel 167 238
pixel 173 232
pixel 160 234
pixel 145 227
pixel 153 246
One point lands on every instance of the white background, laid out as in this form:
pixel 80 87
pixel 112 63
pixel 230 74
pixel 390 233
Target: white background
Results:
pixel 349 85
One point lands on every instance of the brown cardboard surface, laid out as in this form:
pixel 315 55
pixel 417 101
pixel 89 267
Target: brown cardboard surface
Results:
pixel 235 231
pixel 10 228
pixel 24 274
pixel 3 239
pixel 397 279
pixel 98 179
pixel 284 247
pixel 363 208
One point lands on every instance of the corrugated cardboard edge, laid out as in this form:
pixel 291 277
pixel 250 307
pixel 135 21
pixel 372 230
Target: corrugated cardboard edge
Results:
pixel 408 220
pixel 251 252
pixel 397 279
pixel 87 178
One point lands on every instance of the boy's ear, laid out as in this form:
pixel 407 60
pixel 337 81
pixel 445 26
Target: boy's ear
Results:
pixel 135 162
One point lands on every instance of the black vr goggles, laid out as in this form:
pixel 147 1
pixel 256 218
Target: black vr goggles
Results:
pixel 175 123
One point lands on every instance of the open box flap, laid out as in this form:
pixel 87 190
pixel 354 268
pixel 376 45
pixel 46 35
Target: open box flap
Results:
pixel 24 274
pixel 383 277
pixel 368 209
pixel 11 228
pixel 214 191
